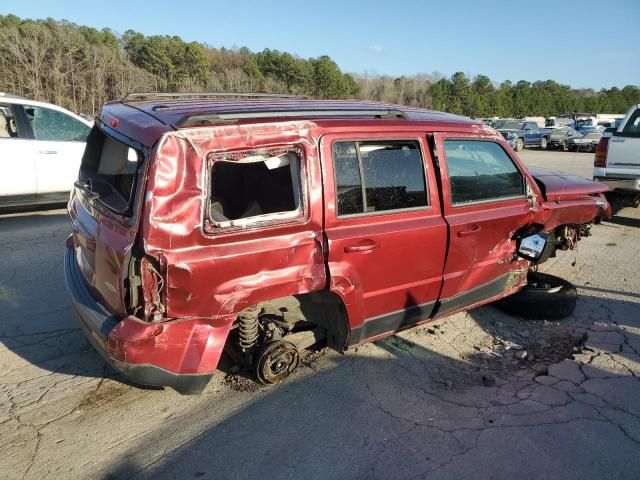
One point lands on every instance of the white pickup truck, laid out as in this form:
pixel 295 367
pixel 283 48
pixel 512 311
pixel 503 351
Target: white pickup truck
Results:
pixel 617 160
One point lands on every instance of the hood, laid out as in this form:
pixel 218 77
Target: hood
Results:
pixel 562 186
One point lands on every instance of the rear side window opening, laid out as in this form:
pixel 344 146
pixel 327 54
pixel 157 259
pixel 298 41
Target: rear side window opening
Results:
pixel 255 187
pixel 109 171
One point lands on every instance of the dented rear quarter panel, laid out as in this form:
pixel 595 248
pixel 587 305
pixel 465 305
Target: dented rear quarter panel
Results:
pixel 215 274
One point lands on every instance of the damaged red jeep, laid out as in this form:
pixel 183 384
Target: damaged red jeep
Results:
pixel 261 225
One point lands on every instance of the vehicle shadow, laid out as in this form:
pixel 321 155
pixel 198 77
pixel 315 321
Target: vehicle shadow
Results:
pixel 36 319
pixel 400 409
pixel 624 221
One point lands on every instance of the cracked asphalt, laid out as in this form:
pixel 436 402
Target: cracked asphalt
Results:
pixel 457 398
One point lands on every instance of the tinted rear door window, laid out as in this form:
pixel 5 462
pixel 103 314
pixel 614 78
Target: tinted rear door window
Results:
pixel 378 176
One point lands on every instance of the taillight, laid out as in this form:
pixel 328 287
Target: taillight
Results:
pixel 601 153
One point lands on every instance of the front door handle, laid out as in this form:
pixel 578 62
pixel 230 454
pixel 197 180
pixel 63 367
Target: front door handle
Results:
pixel 473 230
pixel 365 246
pixel 48 152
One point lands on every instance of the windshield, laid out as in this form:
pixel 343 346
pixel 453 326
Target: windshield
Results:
pixel 508 124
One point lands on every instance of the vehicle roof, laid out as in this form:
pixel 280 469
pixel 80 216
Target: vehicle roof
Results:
pixel 146 120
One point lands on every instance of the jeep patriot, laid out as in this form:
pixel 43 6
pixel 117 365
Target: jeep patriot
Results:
pixel 259 225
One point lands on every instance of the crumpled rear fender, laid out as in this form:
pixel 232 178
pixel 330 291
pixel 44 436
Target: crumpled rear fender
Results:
pixel 186 346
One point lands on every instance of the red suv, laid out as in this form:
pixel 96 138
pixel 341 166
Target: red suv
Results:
pixel 258 225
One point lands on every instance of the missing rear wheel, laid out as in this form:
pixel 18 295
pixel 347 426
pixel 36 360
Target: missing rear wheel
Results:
pixel 275 361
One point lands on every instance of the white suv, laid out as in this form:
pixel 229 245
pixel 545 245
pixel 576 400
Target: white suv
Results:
pixel 41 146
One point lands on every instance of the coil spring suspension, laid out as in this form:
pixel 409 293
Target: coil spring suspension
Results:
pixel 248 328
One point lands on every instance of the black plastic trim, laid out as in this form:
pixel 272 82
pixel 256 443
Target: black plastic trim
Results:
pixel 392 322
pixel 475 295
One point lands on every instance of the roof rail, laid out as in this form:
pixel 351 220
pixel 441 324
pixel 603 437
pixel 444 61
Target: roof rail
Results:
pixel 203 119
pixel 154 95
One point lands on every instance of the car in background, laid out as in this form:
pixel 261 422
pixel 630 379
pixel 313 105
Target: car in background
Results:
pixel 617 159
pixel 521 133
pixel 590 128
pixel 559 137
pixel 41 146
pixel 587 143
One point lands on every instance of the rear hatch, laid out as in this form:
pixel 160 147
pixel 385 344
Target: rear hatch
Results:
pixel 104 213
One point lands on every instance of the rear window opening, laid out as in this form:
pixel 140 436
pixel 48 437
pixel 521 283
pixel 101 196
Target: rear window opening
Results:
pixel 257 187
pixel 109 171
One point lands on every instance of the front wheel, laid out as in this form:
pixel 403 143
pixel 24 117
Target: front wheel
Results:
pixel 543 297
pixel 543 143
pixel 519 144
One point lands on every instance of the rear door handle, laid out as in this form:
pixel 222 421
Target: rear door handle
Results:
pixel 364 246
pixel 48 152
pixel 617 140
pixel 473 230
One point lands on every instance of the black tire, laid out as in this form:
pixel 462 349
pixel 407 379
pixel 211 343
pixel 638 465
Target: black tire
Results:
pixel 543 143
pixel 544 297
pixel 519 145
pixel 616 201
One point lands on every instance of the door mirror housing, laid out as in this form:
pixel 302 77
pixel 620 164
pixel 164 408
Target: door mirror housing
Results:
pixel 531 247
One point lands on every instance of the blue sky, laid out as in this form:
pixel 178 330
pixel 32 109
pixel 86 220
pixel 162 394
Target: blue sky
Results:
pixel 583 43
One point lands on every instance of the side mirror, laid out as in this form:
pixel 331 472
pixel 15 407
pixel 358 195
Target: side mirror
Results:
pixel 532 246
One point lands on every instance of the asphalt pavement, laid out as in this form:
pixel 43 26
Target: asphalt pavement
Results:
pixel 453 399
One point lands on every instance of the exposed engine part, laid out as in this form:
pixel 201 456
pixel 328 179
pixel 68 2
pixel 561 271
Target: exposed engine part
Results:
pixel 248 329
pixel 275 361
pixel 569 235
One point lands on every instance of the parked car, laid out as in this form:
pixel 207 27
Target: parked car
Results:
pixel 559 137
pixel 40 150
pixel 260 225
pixel 590 128
pixel 521 133
pixel 586 143
pixel 617 160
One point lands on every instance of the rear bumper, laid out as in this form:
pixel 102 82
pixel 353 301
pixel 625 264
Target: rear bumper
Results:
pixel 631 185
pixel 118 339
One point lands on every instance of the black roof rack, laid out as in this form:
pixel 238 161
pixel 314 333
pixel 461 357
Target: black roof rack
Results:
pixel 203 119
pixel 165 95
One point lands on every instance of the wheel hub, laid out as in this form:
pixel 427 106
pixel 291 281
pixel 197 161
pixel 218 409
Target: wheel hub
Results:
pixel 276 361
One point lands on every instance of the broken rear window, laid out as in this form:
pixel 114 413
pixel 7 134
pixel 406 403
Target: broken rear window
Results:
pixel 109 171
pixel 255 187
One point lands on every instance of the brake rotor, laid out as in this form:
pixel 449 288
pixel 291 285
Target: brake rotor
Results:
pixel 275 361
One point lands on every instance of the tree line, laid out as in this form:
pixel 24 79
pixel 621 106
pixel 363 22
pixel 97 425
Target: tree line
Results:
pixel 80 68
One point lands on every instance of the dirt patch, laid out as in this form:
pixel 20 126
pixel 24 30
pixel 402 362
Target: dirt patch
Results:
pixel 312 358
pixel 240 383
pixel 103 394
